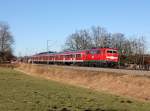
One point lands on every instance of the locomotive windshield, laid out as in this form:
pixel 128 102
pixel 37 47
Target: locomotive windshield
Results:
pixel 112 51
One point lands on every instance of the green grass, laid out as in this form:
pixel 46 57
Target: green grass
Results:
pixel 19 92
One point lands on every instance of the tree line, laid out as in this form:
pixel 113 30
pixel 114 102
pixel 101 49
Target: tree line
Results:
pixel 6 42
pixel 132 48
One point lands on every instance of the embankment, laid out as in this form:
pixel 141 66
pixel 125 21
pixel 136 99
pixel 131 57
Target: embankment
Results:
pixel 134 86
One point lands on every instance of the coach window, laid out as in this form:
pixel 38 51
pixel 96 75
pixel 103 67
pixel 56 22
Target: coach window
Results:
pixel 78 56
pixel 73 55
pixel 58 57
pixel 92 52
pixel 98 51
pixel 61 56
pixel 87 52
pixel 41 57
pixel 66 56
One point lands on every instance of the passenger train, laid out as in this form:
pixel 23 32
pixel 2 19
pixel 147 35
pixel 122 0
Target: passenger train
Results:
pixel 90 57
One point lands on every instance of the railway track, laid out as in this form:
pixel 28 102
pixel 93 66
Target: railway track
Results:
pixel 111 70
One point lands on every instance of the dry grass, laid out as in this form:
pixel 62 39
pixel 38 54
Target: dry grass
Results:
pixel 14 65
pixel 137 87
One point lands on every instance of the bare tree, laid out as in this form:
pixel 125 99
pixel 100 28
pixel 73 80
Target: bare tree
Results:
pixel 6 40
pixel 100 37
pixel 135 49
pixel 118 40
pixel 141 49
pixel 79 40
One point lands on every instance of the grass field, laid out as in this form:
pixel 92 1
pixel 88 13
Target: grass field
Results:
pixel 20 92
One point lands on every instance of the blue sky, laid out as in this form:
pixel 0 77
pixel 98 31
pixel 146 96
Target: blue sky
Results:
pixel 33 22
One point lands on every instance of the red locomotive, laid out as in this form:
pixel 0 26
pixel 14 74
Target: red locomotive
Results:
pixel 91 57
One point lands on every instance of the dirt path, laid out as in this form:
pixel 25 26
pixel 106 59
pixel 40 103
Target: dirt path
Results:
pixel 135 86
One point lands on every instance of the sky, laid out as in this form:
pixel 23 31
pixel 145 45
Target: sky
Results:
pixel 34 22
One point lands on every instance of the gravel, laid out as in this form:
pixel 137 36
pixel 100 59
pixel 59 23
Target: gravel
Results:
pixel 119 71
